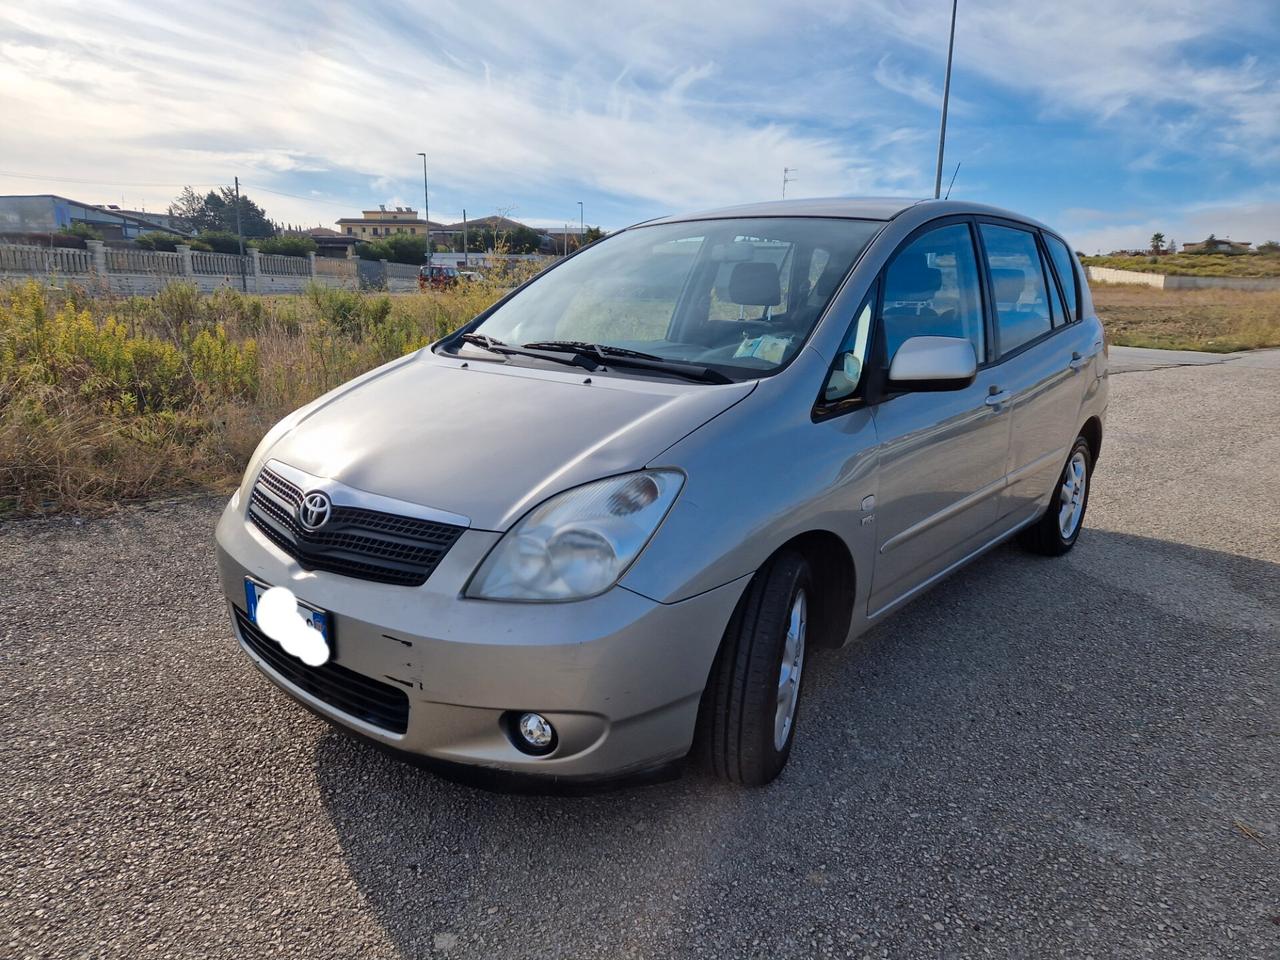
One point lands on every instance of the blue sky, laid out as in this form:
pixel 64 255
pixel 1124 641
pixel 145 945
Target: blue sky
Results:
pixel 1108 120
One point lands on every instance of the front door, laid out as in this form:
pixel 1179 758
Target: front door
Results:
pixel 942 454
pixel 1039 357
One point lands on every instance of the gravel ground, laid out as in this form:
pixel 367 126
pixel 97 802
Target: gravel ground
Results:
pixel 1040 758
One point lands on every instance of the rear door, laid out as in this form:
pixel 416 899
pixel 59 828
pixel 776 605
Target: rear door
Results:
pixel 942 454
pixel 1036 361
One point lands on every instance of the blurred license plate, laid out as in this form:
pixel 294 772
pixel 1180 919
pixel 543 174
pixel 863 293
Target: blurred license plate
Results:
pixel 315 617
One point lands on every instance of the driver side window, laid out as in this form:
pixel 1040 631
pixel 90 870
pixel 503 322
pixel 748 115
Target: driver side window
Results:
pixel 931 289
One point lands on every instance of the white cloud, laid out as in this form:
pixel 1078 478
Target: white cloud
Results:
pixel 650 109
pixel 1236 218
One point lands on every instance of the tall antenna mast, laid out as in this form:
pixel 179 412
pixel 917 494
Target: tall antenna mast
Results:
pixel 946 98
pixel 787 178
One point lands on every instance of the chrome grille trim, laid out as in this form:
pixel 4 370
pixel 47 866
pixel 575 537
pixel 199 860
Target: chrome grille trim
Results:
pixel 357 541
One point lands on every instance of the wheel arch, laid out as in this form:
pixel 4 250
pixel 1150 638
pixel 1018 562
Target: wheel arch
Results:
pixel 1092 432
pixel 835 580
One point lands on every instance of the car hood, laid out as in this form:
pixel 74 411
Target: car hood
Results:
pixel 488 440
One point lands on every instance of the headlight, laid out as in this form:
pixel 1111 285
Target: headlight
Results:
pixel 580 542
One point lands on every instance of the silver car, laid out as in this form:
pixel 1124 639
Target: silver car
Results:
pixel 604 525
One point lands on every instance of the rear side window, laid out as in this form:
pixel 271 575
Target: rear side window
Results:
pixel 1017 286
pixel 1065 264
pixel 931 289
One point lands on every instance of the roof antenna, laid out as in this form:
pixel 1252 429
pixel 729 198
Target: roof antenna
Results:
pixel 946 99
pixel 953 180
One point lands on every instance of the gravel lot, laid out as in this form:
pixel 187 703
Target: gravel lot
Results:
pixel 1040 758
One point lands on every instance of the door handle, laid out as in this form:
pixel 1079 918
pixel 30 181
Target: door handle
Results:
pixel 997 399
pixel 1078 362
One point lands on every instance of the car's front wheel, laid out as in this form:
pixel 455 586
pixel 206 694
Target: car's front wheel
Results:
pixel 1056 532
pixel 749 710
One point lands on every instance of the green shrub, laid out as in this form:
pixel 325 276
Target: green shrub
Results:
pixel 221 241
pixel 288 246
pixel 81 230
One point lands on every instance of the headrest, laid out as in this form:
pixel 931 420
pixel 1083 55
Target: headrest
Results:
pixel 1009 282
pixel 913 279
pixel 755 285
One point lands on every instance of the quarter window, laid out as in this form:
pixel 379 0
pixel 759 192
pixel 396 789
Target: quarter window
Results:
pixel 845 375
pixel 1017 286
pixel 1065 262
pixel 931 289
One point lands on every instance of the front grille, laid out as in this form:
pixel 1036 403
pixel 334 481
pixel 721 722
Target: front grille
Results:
pixel 352 693
pixel 355 542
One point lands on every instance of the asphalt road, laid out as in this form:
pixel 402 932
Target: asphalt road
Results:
pixel 1040 758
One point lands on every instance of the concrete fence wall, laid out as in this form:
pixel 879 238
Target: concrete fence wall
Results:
pixel 128 272
pixel 1163 281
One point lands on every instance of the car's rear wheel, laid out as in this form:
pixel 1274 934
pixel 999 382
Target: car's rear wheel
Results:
pixel 1057 531
pixel 749 711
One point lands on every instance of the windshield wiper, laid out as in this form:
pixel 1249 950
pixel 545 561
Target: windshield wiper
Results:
pixel 632 359
pixel 482 340
pixel 494 345
pixel 601 350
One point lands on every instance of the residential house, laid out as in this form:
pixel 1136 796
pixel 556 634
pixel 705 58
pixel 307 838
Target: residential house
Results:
pixel 1214 244
pixel 381 223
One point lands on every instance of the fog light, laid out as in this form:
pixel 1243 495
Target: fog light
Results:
pixel 536 733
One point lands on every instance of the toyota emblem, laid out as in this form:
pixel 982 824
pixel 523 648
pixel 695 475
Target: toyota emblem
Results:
pixel 314 510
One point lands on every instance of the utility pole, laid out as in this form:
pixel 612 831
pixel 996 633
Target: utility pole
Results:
pixel 244 283
pixel 582 227
pixel 426 207
pixel 466 248
pixel 946 99
pixel 787 178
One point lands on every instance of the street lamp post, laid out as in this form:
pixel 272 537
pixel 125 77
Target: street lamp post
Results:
pixel 426 207
pixel 946 99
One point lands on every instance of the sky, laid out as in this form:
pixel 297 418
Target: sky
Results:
pixel 1109 121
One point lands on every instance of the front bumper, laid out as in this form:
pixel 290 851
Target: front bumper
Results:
pixel 620 675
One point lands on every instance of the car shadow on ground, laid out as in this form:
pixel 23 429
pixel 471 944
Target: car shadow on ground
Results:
pixel 1034 746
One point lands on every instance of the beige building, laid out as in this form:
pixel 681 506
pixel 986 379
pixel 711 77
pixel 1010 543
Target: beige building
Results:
pixel 376 224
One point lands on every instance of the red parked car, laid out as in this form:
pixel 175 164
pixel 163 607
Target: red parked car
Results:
pixel 438 278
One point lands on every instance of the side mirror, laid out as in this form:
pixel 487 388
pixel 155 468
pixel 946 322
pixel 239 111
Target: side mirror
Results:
pixel 933 363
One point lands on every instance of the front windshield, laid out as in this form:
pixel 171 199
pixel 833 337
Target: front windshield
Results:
pixel 739 296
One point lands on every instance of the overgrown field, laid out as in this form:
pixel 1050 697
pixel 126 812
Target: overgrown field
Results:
pixel 1196 264
pixel 106 399
pixel 1220 321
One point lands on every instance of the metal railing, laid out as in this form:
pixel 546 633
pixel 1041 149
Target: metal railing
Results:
pixel 402 271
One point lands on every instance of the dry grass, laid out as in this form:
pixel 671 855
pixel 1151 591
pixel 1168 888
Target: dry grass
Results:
pixel 108 399
pixel 1196 265
pixel 1219 321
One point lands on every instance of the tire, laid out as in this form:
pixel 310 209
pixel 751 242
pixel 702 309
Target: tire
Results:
pixel 1057 531
pixel 742 734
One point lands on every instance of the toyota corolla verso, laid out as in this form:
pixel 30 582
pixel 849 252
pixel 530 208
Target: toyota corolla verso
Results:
pixel 606 523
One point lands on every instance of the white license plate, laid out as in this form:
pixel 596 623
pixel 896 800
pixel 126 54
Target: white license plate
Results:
pixel 315 617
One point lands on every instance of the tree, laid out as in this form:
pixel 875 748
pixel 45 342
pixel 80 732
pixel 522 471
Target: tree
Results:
pixel 223 241
pixel 592 235
pixel 289 246
pixel 1269 248
pixel 216 210
pixel 397 248
pixel 1157 243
